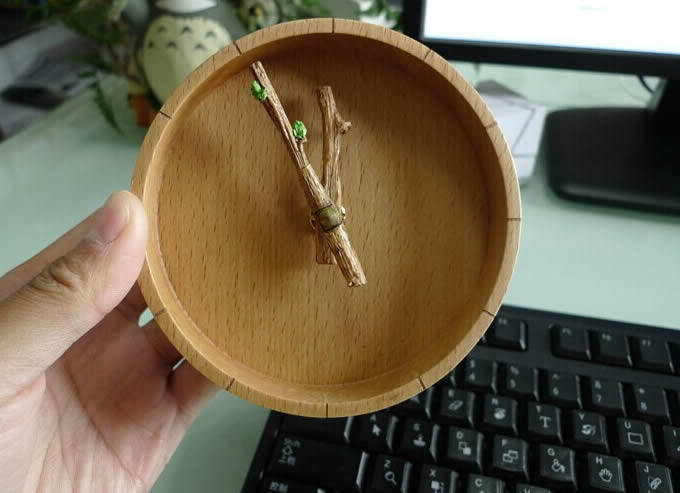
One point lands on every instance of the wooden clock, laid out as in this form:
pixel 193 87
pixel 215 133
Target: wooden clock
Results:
pixel 239 272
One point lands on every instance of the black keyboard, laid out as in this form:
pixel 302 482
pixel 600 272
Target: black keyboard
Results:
pixel 545 402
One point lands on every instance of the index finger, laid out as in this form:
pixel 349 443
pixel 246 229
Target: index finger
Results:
pixel 20 275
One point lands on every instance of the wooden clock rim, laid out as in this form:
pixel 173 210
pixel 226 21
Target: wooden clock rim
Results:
pixel 168 310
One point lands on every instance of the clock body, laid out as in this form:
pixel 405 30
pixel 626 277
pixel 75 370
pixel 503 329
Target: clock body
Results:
pixel 432 206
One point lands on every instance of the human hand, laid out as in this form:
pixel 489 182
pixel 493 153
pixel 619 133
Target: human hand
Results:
pixel 89 400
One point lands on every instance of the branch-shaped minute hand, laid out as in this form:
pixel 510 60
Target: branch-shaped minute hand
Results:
pixel 327 215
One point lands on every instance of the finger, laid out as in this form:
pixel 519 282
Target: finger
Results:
pixel 133 304
pixel 191 390
pixel 161 346
pixel 72 294
pixel 23 273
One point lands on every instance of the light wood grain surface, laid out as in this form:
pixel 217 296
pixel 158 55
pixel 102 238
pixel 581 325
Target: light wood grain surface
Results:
pixel 432 209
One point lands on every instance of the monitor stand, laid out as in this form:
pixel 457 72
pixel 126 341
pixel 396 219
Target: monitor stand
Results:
pixel 628 157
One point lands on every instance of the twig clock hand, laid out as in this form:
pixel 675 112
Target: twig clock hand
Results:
pixel 323 198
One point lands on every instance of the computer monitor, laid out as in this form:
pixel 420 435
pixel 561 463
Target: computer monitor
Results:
pixel 621 156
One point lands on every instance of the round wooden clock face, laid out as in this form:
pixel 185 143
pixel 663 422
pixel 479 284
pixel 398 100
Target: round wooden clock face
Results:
pixel 432 212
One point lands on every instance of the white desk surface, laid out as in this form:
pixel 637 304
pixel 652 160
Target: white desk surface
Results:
pixel 574 258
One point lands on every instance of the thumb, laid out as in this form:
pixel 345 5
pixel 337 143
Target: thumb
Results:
pixel 40 321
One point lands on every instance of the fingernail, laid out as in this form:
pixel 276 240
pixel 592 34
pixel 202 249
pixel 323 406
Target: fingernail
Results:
pixel 110 219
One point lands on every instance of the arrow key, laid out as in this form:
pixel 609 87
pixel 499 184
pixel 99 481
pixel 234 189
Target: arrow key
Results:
pixel 376 432
pixel 419 441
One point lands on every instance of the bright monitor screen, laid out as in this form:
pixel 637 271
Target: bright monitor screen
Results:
pixel 633 26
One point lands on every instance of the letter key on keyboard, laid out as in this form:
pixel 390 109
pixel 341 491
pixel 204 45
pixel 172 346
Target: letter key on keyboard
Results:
pixel 464 449
pixel 419 440
pixel 635 439
pixel 605 474
pixel 509 457
pixel 457 407
pixel 544 422
pixel 434 479
pixel 588 431
pixel 500 414
pixel 376 432
pixel 557 467
pixel 390 475
pixel 653 478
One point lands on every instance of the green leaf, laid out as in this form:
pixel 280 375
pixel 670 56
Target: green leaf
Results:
pixel 259 92
pixel 299 130
pixel 87 74
pixel 105 106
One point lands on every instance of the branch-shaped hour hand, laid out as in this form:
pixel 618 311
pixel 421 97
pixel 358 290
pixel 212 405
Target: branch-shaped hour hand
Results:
pixel 327 213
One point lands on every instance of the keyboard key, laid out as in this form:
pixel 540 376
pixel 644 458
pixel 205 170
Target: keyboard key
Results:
pixel 481 375
pixel 434 479
pixel 276 485
pixel 671 442
pixel 544 423
pixel 327 429
pixel 419 441
pixel 330 465
pixel 376 432
pixel 652 355
pixel 500 414
pixel 635 439
pixel 605 474
pixel 556 467
pixel 649 404
pixel 606 397
pixel 390 475
pixel 588 431
pixel 653 478
pixel 418 406
pixel 612 349
pixel 528 488
pixel 509 458
pixel 571 343
pixel 454 377
pixel 464 449
pixel 457 407
pixel 564 389
pixel 509 333
pixel 675 353
pixel 521 382
pixel 483 484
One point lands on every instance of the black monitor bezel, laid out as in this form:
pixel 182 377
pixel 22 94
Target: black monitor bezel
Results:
pixel 654 64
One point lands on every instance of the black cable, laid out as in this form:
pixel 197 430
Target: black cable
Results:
pixel 642 80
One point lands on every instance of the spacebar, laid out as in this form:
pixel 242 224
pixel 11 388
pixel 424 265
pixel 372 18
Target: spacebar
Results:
pixel 323 464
